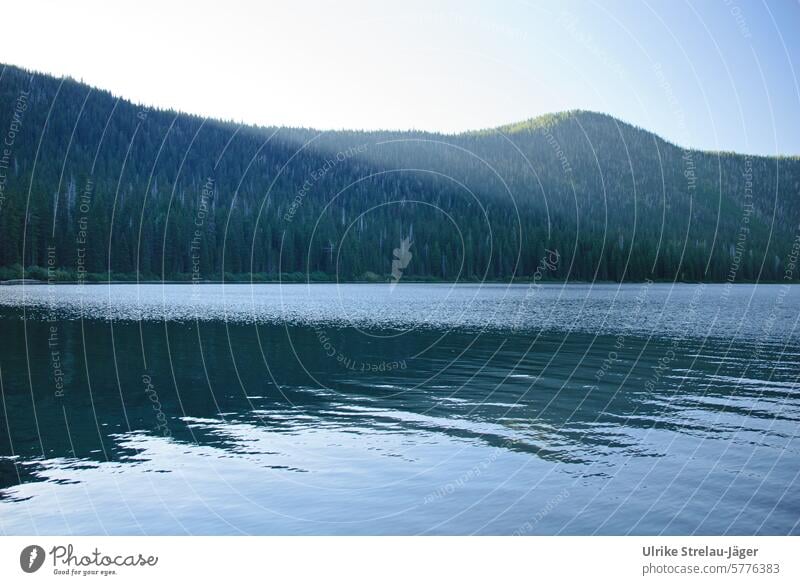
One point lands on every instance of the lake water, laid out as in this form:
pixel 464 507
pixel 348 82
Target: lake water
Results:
pixel 419 409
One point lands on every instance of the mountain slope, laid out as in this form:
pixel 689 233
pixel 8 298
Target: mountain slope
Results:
pixel 93 184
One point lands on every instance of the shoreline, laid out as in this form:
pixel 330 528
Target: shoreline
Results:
pixel 519 282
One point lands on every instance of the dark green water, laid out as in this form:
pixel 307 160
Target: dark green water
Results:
pixel 428 409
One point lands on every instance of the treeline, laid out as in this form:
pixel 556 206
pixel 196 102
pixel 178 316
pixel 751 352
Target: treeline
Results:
pixel 94 187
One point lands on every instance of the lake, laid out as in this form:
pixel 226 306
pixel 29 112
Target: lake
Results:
pixel 415 409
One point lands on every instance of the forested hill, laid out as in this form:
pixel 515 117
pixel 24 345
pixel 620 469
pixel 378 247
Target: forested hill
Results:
pixel 97 187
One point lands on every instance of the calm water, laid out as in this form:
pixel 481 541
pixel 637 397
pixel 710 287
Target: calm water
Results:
pixel 423 409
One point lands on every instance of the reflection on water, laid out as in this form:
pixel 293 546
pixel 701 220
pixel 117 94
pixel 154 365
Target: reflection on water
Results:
pixel 499 410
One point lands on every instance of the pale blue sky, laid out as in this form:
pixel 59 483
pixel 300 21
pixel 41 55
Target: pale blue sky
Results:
pixel 719 75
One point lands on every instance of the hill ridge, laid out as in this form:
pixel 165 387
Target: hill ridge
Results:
pixel 95 185
pixel 531 123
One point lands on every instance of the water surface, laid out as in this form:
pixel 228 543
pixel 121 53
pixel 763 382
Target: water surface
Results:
pixel 419 409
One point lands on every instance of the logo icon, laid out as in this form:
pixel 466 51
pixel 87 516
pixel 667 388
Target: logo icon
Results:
pixel 31 558
pixel 402 256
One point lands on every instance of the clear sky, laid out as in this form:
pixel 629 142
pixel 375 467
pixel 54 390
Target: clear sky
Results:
pixel 719 75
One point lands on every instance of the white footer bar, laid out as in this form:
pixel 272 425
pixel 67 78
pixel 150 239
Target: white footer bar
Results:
pixel 406 560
